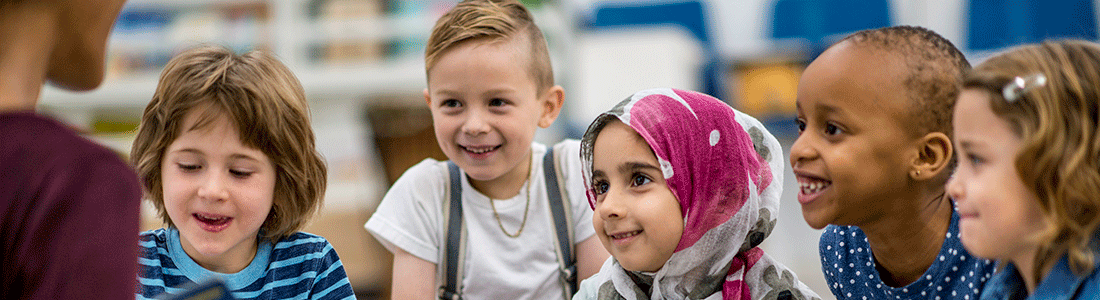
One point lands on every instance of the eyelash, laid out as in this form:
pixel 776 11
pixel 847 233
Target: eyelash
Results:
pixel 600 187
pixel 975 160
pixel 830 128
pixel 195 168
pixel 450 103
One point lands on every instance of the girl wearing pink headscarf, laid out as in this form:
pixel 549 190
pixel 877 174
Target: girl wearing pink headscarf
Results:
pixel 684 189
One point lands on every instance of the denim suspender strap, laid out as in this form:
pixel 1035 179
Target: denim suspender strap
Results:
pixel 456 238
pixel 560 208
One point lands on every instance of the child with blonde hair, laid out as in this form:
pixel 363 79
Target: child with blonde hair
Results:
pixel 1027 126
pixel 872 157
pixel 226 154
pixel 505 218
pixel 684 188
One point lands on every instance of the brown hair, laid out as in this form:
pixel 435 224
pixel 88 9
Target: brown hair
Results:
pixel 496 21
pixel 936 72
pixel 1059 156
pixel 266 104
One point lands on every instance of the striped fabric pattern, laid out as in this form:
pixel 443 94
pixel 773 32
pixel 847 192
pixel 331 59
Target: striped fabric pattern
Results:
pixel 301 266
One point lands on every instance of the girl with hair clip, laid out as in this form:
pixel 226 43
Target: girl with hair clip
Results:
pixel 684 189
pixel 1028 181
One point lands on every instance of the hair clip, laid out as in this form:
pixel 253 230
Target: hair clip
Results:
pixel 1019 85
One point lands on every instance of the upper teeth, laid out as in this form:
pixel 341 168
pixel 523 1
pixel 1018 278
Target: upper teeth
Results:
pixel 211 218
pixel 625 235
pixel 812 187
pixel 479 150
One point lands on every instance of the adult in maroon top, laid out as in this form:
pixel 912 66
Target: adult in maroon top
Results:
pixel 68 207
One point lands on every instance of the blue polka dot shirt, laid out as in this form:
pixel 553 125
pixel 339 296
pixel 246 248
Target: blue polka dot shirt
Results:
pixel 850 269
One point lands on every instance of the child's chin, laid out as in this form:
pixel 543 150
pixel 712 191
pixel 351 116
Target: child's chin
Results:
pixel 638 267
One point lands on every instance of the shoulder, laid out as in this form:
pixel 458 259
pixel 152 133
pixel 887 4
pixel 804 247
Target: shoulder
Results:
pixel 155 235
pixel 56 163
pixel 1090 288
pixel 150 241
pixel 841 248
pixel 569 148
pixel 302 242
pixel 48 140
pixel 842 237
pixel 428 172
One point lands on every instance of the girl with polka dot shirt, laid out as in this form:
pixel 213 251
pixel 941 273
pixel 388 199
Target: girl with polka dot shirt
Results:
pixel 872 157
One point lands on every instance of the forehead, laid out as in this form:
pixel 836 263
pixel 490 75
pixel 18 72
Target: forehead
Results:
pixel 856 79
pixel 617 140
pixel 512 54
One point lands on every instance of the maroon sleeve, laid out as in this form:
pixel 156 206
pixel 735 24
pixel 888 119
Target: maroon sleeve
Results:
pixel 70 225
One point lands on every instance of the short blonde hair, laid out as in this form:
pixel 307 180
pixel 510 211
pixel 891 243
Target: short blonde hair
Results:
pixel 493 20
pixel 1059 158
pixel 266 105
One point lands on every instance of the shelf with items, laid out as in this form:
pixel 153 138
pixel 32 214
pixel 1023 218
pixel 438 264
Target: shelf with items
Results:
pixel 347 49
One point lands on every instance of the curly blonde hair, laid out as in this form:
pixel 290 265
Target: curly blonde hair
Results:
pixel 266 105
pixel 1059 157
pixel 493 20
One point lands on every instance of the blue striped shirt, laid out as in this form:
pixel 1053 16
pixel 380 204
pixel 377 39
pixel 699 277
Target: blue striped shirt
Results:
pixel 301 266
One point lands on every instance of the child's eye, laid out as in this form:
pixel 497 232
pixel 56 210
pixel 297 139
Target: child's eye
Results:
pixel 189 168
pixel 240 174
pixel 600 187
pixel 832 129
pixel 450 103
pixel 801 124
pixel 639 180
pixel 497 102
pixel 975 160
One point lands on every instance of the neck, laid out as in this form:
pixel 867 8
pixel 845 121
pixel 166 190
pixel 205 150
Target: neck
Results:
pixel 1025 264
pixel 906 243
pixel 507 185
pixel 231 261
pixel 26 33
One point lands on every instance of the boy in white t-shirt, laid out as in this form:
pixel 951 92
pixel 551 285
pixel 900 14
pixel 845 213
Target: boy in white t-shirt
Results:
pixel 490 86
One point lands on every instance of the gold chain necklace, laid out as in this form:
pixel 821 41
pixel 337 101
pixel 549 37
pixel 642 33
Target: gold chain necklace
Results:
pixel 525 208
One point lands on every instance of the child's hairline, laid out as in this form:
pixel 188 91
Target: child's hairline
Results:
pixel 533 69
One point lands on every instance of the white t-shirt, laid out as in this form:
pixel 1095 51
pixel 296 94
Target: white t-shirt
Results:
pixel 410 217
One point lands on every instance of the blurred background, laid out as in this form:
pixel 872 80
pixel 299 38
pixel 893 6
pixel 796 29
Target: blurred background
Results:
pixel 361 63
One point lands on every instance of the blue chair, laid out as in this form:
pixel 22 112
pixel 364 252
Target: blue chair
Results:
pixel 996 24
pixel 818 21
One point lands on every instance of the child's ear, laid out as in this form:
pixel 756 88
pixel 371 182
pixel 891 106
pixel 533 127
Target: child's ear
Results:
pixel 933 157
pixel 427 98
pixel 552 101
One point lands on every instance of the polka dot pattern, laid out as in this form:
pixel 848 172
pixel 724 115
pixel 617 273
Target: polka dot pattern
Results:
pixel 849 268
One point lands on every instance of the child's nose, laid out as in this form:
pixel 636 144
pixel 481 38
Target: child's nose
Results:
pixel 611 207
pixel 213 187
pixel 475 124
pixel 955 189
pixel 802 151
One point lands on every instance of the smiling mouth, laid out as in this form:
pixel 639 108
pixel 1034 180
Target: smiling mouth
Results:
pixel 625 235
pixel 808 186
pixel 211 220
pixel 480 150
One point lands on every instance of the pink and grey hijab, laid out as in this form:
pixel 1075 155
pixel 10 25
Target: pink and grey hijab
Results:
pixel 725 169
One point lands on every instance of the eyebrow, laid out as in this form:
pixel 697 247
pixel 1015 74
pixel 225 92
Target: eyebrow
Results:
pixel 490 92
pixel 630 167
pixel 827 109
pixel 969 145
pixel 232 156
